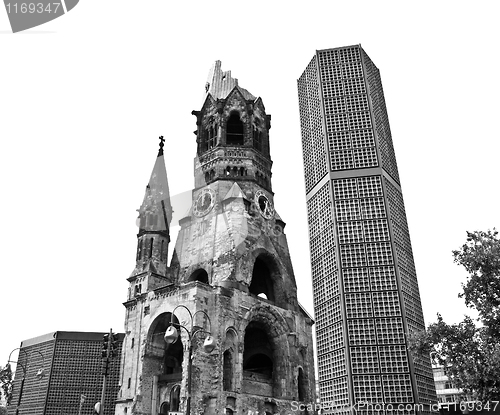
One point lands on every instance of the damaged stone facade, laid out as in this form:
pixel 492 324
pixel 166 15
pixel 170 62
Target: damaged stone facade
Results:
pixel 231 261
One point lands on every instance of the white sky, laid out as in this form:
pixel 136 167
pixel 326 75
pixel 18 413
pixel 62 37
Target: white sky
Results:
pixel 84 98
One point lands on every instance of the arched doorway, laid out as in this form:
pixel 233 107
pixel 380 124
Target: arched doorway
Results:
pixel 164 359
pixel 258 356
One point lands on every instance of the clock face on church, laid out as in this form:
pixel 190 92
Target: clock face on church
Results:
pixel 264 204
pixel 204 202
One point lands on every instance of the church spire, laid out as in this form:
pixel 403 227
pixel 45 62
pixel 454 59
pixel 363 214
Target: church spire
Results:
pixel 155 215
pixel 155 212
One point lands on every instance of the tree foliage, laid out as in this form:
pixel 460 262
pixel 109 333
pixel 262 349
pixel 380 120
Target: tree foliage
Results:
pixel 6 382
pixel 480 256
pixel 471 354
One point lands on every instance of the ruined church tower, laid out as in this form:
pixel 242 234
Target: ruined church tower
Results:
pixel 230 279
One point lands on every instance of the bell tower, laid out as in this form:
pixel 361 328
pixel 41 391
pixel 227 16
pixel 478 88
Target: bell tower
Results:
pixel 230 277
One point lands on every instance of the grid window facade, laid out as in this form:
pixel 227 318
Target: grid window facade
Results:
pixel 341 394
pixel 393 358
pixel 330 338
pixel 361 332
pixel 332 363
pixel 73 366
pixel 426 388
pixel 386 304
pixel 372 208
pixel 353 255
pixel 362 264
pixel 325 288
pixel 370 186
pixel 362 139
pixel 356 279
pixel 376 230
pixel 33 358
pixel 345 189
pixel 367 389
pixel 356 103
pixel 339 141
pixel 347 210
pixel 358 305
pixel 387 155
pixel 350 232
pixel 364 360
pixel 390 330
pixel 383 278
pixel 364 157
pixel 397 388
pixel 311 122
pixel 327 312
pixel 379 254
pixel 347 115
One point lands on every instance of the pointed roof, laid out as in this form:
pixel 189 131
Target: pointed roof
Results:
pixel 157 197
pixel 235 192
pixel 220 83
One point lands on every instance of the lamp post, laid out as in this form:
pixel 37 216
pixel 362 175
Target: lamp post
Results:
pixel 171 336
pixel 39 374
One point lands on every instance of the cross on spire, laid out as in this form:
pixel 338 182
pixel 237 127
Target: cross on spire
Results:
pixel 160 151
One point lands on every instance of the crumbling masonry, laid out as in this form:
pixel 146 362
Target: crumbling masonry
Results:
pixel 230 261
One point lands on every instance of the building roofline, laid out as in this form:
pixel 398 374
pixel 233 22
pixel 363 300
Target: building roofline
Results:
pixel 340 47
pixel 67 335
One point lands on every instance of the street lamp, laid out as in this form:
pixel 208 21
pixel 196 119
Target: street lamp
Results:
pixel 39 374
pixel 171 336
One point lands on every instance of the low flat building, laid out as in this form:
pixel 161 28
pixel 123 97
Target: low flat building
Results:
pixel 446 391
pixel 62 373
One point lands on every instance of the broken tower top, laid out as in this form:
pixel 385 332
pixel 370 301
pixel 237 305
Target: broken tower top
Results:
pixel 220 83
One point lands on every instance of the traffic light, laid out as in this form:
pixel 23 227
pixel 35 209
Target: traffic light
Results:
pixel 113 351
pixel 105 346
pixel 105 367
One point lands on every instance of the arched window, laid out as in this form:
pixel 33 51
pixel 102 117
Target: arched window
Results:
pixel 150 247
pixel 137 289
pixel 210 137
pixel 207 177
pixel 301 385
pixel 204 140
pixel 175 398
pixel 258 352
pixel 262 282
pixel 139 249
pixel 162 253
pixel 212 174
pixel 234 129
pixel 199 275
pixel 227 370
pixel 257 139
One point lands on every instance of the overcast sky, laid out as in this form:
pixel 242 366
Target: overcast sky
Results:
pixel 84 98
